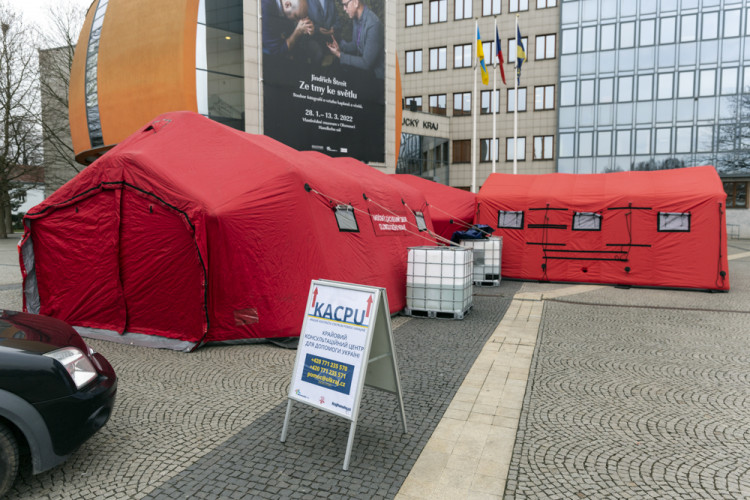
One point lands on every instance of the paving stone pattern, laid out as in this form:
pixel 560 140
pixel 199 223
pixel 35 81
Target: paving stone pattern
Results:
pixel 207 424
pixel 433 356
pixel 635 402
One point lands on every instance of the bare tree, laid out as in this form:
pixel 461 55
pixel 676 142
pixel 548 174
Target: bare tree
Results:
pixel 20 137
pixel 55 61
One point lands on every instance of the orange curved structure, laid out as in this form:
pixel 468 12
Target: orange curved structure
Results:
pixel 145 67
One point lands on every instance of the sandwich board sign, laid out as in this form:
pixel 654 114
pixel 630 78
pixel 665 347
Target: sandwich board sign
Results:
pixel 346 343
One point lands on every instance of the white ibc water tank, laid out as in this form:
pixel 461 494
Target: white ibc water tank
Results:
pixel 439 280
pixel 487 259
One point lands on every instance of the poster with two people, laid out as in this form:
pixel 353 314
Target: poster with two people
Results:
pixel 324 75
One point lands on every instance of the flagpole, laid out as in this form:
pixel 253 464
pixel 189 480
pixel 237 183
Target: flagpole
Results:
pixel 474 114
pixel 494 113
pixel 515 110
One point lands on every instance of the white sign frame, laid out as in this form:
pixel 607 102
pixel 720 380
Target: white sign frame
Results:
pixel 355 319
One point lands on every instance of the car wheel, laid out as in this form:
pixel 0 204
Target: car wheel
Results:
pixel 8 459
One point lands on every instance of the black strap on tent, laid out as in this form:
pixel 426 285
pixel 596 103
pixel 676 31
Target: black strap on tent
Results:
pixel 722 273
pixel 547 226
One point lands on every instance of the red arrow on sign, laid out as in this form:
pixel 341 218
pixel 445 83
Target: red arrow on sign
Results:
pixel 369 303
pixel 315 296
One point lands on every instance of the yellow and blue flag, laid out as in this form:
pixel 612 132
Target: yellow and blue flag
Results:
pixel 520 54
pixel 480 56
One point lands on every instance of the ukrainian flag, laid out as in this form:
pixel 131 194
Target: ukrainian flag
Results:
pixel 520 54
pixel 480 56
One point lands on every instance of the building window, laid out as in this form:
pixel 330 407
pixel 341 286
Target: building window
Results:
pixel 663 140
pixel 491 7
pixel 736 194
pixel 487 146
pixel 414 14
pixel 461 103
pixel 569 41
pixel 438 58
pixel 588 39
pixel 413 61
pixel 518 5
pixel 647 32
pixel 490 54
pixel 413 103
pixel 544 97
pixel 521 149
pixel 604 143
pixel 512 53
pixel 545 46
pixel 707 82
pixel 587 92
pixel 345 219
pixel 667 31
pixel 438 11
pixel 687 28
pixel 565 145
pixel 684 140
pixel 685 84
pixel 729 81
pixel 643 141
pixel 704 139
pixel 710 29
pixel 463 9
pixel 665 82
pixel 490 102
pixel 627 35
pixel 544 147
pixel 462 151
pixel 545 4
pixel 607 37
pixel 462 56
pixel 606 90
pixel 625 89
pixel 568 94
pixel 91 87
pixel 623 143
pixel 732 19
pixel 437 104
pixel 645 87
pixel 585 143
pixel 512 100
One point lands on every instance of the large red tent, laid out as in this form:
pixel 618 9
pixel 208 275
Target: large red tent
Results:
pixel 664 228
pixel 190 232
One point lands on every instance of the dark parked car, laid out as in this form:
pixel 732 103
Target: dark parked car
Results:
pixel 55 392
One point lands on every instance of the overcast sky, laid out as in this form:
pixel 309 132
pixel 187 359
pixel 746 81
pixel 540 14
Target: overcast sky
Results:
pixel 37 11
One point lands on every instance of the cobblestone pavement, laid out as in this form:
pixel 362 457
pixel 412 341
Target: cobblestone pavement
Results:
pixel 639 394
pixel 632 393
pixel 207 424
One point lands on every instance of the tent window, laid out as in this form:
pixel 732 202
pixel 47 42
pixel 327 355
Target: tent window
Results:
pixel 345 219
pixel 420 221
pixel 510 220
pixel 674 222
pixel 587 221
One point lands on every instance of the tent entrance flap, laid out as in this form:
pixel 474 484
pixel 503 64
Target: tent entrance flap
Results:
pixel 161 272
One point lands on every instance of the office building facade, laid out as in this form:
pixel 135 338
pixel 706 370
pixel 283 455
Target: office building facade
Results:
pixel 611 85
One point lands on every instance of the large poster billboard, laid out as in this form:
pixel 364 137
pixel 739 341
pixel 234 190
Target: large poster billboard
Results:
pixel 324 76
